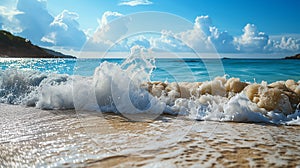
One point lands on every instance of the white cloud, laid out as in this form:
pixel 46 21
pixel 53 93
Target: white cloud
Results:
pixel 50 38
pixel 34 20
pixel 289 44
pixel 196 38
pixel 168 42
pixel 64 19
pixel 9 13
pixel 222 40
pixel 203 23
pixel 135 2
pixel 252 40
pixel 8 20
pixel 31 19
pixel 204 37
pixel 106 16
pixel 64 31
pixel 286 44
pixel 138 41
pixel 107 34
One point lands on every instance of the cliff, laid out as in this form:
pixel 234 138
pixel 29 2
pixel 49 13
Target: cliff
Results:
pixel 297 56
pixel 17 47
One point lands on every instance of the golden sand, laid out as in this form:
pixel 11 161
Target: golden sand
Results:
pixel 32 137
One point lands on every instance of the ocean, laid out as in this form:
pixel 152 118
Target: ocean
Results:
pixel 149 112
pixel 249 70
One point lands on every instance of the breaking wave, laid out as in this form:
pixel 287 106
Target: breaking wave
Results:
pixel 124 89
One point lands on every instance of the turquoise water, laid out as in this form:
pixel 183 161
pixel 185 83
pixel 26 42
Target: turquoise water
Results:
pixel 250 70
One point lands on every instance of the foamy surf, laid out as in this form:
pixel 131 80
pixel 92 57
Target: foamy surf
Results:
pixel 231 100
pixel 126 89
pixel 109 89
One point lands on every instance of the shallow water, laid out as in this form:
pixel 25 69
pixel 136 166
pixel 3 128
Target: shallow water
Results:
pixel 35 138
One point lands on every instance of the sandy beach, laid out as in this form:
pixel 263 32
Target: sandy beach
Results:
pixel 32 137
pixel 148 83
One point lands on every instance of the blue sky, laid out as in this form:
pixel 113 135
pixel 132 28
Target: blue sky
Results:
pixel 274 17
pixel 232 26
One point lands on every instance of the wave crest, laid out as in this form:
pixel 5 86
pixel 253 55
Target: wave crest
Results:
pixel 112 88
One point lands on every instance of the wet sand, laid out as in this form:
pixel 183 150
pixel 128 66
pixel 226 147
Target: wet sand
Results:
pixel 32 137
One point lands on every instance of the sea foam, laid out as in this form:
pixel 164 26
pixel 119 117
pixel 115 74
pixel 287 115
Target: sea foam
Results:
pixel 126 89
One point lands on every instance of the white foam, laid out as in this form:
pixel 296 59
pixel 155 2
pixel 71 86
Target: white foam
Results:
pixel 240 108
pixel 121 89
pixel 56 96
pixel 294 119
pixel 111 85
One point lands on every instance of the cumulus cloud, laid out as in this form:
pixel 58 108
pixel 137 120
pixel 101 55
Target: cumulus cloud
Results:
pixel 204 37
pixel 64 19
pixel 168 42
pixel 196 38
pixel 135 2
pixel 34 20
pixel 139 41
pixel 8 19
pixel 252 40
pixel 64 31
pixel 107 16
pixel 106 34
pixel 31 19
pixel 286 44
pixel 222 40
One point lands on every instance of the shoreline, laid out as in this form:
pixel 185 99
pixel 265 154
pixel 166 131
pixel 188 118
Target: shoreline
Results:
pixel 38 137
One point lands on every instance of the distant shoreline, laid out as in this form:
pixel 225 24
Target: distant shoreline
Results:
pixel 297 56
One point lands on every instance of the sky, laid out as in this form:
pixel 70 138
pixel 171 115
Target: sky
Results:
pixel 253 27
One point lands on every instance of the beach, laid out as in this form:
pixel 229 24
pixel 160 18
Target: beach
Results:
pixel 32 137
pixel 112 114
pixel 148 83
